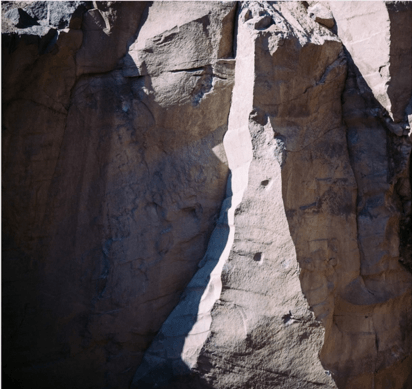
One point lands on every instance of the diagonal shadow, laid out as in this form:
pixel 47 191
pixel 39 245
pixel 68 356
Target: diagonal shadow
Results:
pixel 167 362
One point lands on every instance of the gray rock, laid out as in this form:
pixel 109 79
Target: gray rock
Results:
pixel 397 129
pixel 54 13
pixel 385 64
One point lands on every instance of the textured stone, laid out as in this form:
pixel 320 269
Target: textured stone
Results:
pixel 228 344
pixel 207 195
pixel 109 213
pixel 319 13
pixel 381 171
pixel 378 37
pixel 55 13
pixel 19 18
pixel 107 29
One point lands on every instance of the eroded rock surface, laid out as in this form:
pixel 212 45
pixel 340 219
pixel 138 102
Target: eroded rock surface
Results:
pixel 380 47
pixel 207 195
pixel 110 194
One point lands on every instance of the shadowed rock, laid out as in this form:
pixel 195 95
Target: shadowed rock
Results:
pixel 204 195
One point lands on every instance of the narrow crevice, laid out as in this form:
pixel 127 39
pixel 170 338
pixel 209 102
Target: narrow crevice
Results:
pixel 235 29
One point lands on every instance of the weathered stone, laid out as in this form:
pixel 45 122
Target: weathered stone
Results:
pixel 19 18
pixel 378 37
pixel 173 44
pixel 319 13
pixel 126 262
pixel 55 13
pixel 254 284
pixel 370 305
pixel 119 251
pixel 106 31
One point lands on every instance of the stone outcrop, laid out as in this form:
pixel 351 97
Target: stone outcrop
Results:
pixel 207 195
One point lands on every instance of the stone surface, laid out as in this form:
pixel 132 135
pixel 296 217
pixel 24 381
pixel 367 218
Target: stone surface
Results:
pixel 321 14
pixel 106 30
pixel 109 213
pixel 381 171
pixel 207 195
pixel 19 18
pixel 255 280
pixel 55 13
pixel 378 37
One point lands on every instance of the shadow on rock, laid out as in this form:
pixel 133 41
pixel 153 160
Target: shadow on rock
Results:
pixel 171 360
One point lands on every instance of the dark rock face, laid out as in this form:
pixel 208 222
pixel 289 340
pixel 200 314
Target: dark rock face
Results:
pixel 207 195
pixel 109 197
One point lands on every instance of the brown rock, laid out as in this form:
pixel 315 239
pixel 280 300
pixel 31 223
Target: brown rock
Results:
pixel 126 263
pixel 321 14
pixel 260 328
pixel 107 29
pixel 111 197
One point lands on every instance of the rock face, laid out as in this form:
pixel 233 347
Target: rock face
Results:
pixel 207 195
pixel 113 183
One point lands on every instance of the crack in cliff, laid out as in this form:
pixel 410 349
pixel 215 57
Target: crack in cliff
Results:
pixel 312 142
pixel 242 290
pixel 188 70
pixel 235 28
pixel 259 368
pixel 65 112
pixel 202 328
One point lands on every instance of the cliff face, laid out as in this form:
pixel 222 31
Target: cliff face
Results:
pixel 207 194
